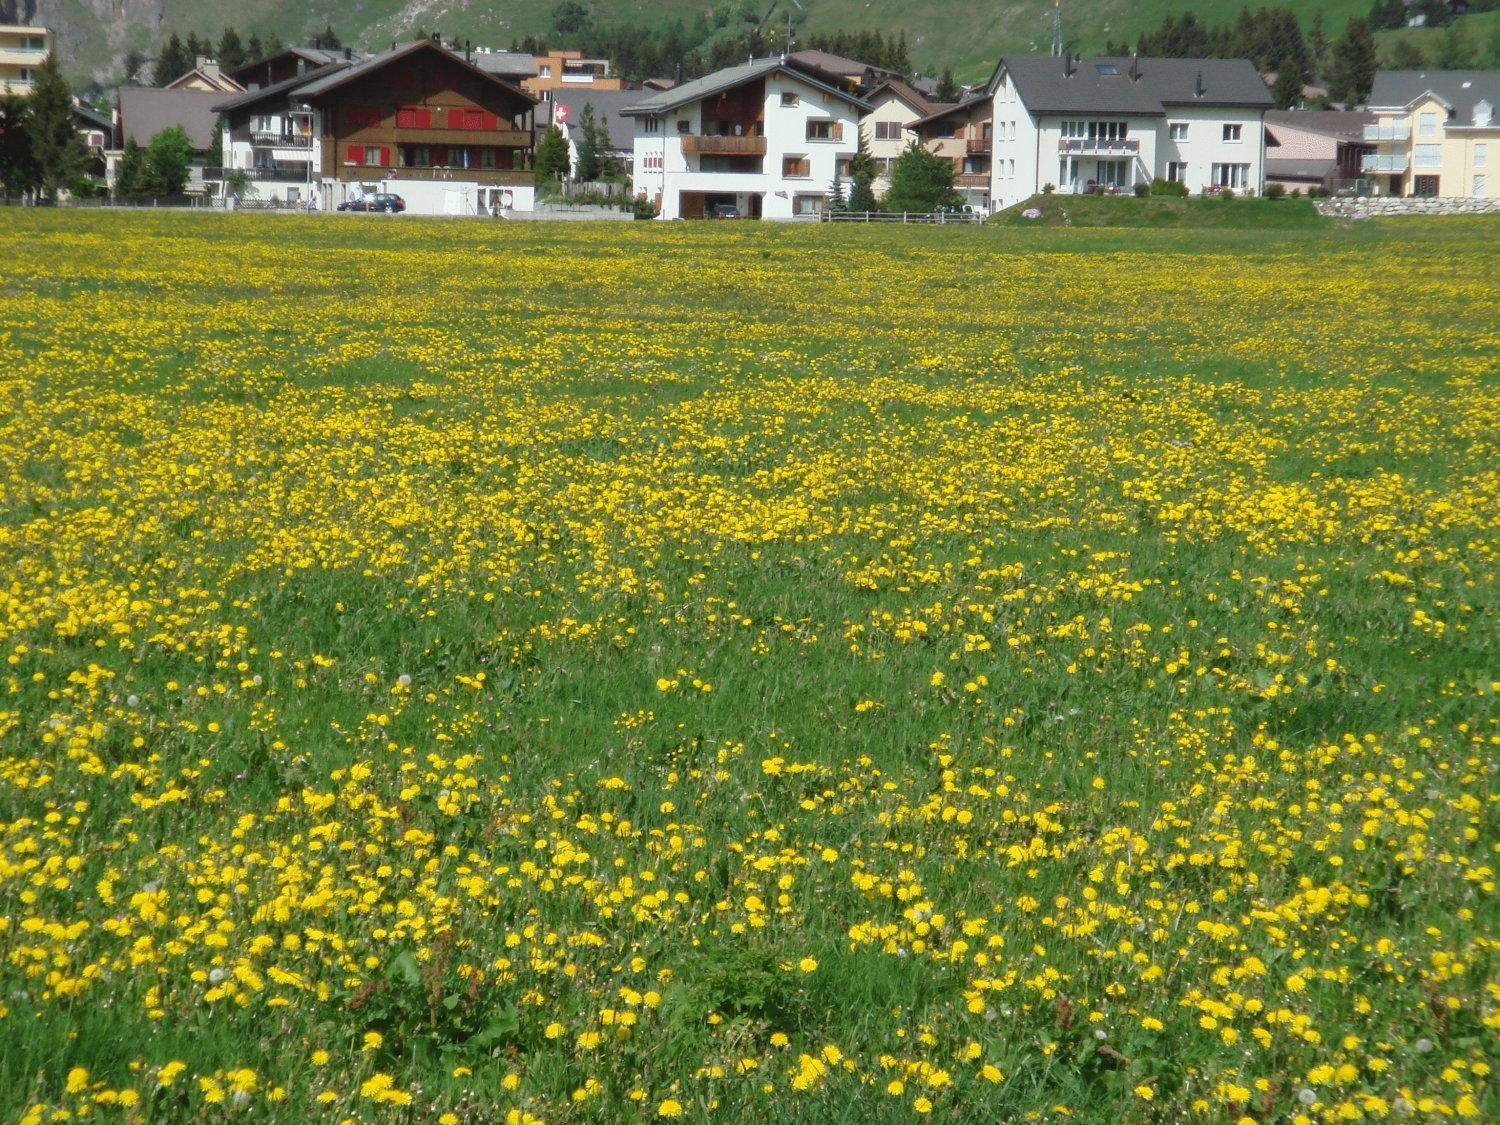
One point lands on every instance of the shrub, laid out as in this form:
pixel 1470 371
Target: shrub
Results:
pixel 1296 193
pixel 1142 189
pixel 1275 191
pixel 1048 189
pixel 643 208
pixel 1226 193
pixel 1160 186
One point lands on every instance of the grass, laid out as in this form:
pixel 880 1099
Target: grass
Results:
pixel 1477 28
pixel 1194 212
pixel 593 672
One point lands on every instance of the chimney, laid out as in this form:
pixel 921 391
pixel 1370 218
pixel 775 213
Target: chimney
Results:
pixel 1199 89
pixel 468 50
pixel 1068 67
pixel 1135 66
pixel 316 42
pixel 348 54
pixel 437 37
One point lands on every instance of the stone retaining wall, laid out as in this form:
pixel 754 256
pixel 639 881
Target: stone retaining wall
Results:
pixel 1381 207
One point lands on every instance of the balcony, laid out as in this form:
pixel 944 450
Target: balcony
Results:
pixel 1371 162
pixel 979 146
pixel 280 140
pixel 287 175
pixel 723 146
pixel 459 138
pixel 503 177
pixel 972 180
pixel 1389 131
pixel 1105 146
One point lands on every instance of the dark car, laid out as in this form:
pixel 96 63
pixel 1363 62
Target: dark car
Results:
pixel 382 201
pixel 724 211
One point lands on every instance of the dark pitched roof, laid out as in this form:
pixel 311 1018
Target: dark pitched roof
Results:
pixel 609 108
pixel 1343 124
pixel 1103 84
pixel 728 79
pixel 914 98
pixel 941 110
pixel 146 111
pixel 839 65
pixel 325 83
pixel 504 64
pixel 277 89
pixel 1460 89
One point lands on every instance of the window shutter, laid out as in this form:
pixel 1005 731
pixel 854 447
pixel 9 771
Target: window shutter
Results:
pixel 424 119
pixel 455 118
pixel 838 130
pixel 385 157
pixel 356 154
pixel 406 118
pixel 491 121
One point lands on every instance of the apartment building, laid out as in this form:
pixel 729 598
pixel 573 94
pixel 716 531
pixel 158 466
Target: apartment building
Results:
pixel 569 70
pixel 963 134
pixel 764 140
pixel 1104 124
pixel 22 49
pixel 887 128
pixel 418 120
pixel 1434 133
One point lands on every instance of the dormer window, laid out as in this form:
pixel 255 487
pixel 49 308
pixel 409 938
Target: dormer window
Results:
pixel 1484 113
pixel 1107 68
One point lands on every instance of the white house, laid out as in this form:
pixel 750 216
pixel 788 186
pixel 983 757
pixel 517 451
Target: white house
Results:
pixel 887 127
pixel 1108 123
pixel 765 140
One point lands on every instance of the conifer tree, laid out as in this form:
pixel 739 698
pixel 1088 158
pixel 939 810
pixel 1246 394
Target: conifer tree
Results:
pixel 55 145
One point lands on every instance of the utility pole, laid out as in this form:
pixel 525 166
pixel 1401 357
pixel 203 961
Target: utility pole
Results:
pixel 1057 39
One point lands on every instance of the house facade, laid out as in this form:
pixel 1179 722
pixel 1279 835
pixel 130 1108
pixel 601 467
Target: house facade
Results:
pixel 141 112
pixel 1308 149
pixel 887 128
pixel 963 135
pixel 1436 133
pixel 1106 124
pixel 766 140
pixel 22 49
pixel 568 71
pixel 418 121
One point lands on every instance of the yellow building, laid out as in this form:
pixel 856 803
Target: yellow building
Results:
pixel 22 49
pixel 1436 134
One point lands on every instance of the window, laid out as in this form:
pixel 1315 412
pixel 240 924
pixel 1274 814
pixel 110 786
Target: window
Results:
pixel 1428 156
pixel 650 124
pixel 1230 175
pixel 1177 171
pixel 1478 187
pixel 33 43
pixel 1177 131
pixel 487 158
pixel 1481 155
pixel 684 126
pixel 1232 134
pixel 795 167
pixel 263 123
pixel 413 117
pixel 374 154
pixel 1427 125
pixel 1107 68
pixel 807 205
pixel 846 168
pixel 361 116
pixel 26 77
pixel 1424 185
pixel 544 71
pixel 822 129
pixel 888 130
pixel 789 99
pixel 416 156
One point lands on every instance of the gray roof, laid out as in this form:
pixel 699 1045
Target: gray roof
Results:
pixel 504 64
pixel 1103 84
pixel 276 89
pixel 324 83
pixel 1342 124
pixel 728 79
pixel 146 111
pixel 1461 89
pixel 840 65
pixel 1299 169
pixel 609 109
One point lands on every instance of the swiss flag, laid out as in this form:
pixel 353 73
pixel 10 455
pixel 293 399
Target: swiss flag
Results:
pixel 560 113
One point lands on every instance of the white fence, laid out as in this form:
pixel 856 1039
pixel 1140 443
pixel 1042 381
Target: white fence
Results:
pixel 941 218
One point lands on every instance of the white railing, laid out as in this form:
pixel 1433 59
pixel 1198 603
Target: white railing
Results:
pixel 1098 144
pixel 1392 131
pixel 1375 163
pixel 941 218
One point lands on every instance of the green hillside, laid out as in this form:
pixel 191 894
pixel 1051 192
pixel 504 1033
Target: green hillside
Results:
pixel 967 36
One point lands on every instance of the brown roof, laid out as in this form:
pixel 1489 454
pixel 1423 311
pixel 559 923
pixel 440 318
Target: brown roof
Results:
pixel 146 111
pixel 914 98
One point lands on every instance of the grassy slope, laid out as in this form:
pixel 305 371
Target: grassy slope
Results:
pixel 967 36
pixel 1156 211
pixel 1477 28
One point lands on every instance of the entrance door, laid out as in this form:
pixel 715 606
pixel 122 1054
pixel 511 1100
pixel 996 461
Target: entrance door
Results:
pixel 1112 173
pixel 690 204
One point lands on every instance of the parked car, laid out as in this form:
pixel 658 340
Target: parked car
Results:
pixel 724 211
pixel 381 201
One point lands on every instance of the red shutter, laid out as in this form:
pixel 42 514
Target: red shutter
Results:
pixel 490 121
pixel 424 119
pixel 356 154
pixel 473 119
pixel 455 119
pixel 406 118
pixel 385 157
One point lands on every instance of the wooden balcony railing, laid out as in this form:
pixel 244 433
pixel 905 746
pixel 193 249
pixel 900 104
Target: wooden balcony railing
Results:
pixel 978 146
pixel 724 146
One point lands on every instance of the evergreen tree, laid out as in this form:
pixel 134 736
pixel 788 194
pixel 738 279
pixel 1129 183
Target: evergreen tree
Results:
pixel 18 170
pixel 837 199
pixel 1386 15
pixel 552 161
pixel 134 61
pixel 274 45
pixel 1290 78
pixel 55 145
pixel 1436 12
pixel 130 173
pixel 173 62
pixel 1455 51
pixel 1406 55
pixel 921 181
pixel 167 160
pixel 231 50
pixel 254 49
pixel 570 17
pixel 1494 48
pixel 1318 40
pixel 947 90
pixel 1354 64
pixel 588 145
pixel 329 40
pixel 862 195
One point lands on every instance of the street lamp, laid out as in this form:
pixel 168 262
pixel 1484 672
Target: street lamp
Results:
pixel 301 110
